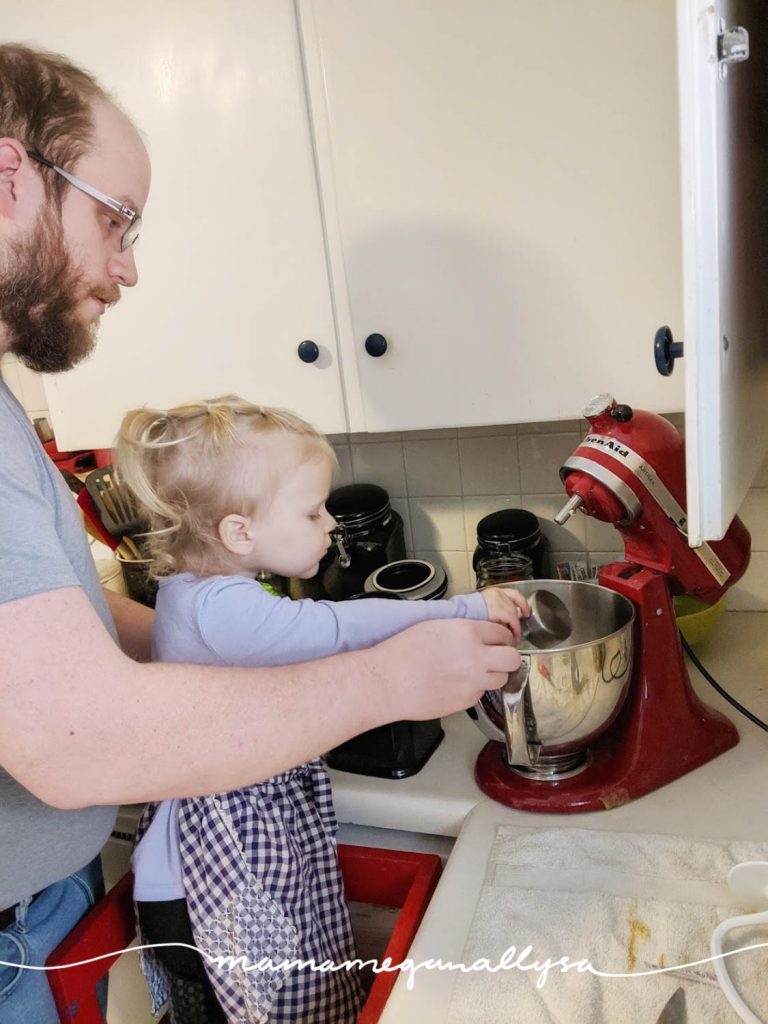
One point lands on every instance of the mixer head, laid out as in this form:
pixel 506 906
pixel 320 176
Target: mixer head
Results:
pixel 630 471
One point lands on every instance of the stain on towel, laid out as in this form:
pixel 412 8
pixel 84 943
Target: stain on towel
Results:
pixel 638 930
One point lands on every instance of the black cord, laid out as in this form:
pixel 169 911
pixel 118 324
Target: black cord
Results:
pixel 723 693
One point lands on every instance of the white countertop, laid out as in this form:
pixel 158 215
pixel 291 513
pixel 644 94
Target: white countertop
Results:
pixel 725 798
pixel 436 800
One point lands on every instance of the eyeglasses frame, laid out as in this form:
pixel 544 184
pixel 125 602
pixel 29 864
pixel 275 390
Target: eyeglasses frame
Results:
pixel 133 218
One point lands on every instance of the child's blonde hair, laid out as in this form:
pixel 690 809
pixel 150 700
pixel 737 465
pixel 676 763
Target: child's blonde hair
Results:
pixel 188 470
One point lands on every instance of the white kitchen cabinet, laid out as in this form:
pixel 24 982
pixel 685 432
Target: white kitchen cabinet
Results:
pixel 232 256
pixel 499 198
pixel 502 196
pixel 724 133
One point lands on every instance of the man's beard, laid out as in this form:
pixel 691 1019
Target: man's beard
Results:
pixel 40 289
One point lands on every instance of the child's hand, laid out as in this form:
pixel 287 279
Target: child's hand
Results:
pixel 505 606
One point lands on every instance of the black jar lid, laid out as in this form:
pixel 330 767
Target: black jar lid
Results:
pixel 358 506
pixel 411 578
pixel 510 526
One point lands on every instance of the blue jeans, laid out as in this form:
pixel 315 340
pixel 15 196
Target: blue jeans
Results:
pixel 40 926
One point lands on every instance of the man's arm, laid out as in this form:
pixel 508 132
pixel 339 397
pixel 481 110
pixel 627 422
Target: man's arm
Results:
pixel 134 625
pixel 67 693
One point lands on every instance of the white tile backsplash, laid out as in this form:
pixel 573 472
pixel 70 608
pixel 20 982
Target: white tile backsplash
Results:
pixel 437 523
pixel 489 465
pixel 442 482
pixel 381 463
pixel 343 472
pixel 400 505
pixel 541 456
pixel 600 536
pixel 432 467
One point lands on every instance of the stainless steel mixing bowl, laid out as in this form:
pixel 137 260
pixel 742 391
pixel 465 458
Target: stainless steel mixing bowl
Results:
pixel 564 697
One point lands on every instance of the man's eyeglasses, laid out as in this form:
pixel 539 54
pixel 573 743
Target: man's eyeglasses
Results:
pixel 131 233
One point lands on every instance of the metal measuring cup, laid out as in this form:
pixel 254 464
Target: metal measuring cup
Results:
pixel 549 622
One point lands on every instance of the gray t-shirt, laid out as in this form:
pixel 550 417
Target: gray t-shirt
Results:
pixel 43 547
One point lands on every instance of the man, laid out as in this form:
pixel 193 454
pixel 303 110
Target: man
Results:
pixel 74 178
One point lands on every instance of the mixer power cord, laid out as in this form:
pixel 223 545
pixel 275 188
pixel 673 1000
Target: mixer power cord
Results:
pixel 715 685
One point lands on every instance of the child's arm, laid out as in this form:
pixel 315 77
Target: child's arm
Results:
pixel 243 624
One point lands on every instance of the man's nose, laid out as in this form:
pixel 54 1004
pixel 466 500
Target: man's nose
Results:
pixel 122 267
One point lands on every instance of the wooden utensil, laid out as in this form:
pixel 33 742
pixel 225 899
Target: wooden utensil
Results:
pixel 117 507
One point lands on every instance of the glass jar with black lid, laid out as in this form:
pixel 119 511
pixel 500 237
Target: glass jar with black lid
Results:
pixel 508 533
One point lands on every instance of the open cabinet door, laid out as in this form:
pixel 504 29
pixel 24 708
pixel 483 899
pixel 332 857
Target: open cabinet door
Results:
pixel 723 71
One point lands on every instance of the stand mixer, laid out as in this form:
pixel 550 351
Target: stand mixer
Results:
pixel 628 471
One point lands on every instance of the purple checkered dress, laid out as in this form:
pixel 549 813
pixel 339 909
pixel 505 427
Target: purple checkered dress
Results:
pixel 262 880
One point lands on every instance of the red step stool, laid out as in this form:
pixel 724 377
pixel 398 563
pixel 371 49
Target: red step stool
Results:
pixel 383 878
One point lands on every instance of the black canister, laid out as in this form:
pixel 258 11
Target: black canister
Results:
pixel 513 531
pixel 370 534
pixel 394 751
pixel 399 749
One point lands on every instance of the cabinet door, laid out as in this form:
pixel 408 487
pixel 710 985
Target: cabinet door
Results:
pixel 502 179
pixel 725 176
pixel 232 258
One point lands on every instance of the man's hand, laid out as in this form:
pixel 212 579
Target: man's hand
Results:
pixel 442 666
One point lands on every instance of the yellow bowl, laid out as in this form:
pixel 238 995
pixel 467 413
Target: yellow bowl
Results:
pixel 695 619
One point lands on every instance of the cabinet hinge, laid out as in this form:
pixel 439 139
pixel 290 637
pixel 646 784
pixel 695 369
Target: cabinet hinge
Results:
pixel 732 47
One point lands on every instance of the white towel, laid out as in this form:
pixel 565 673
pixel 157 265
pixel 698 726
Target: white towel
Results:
pixel 624 902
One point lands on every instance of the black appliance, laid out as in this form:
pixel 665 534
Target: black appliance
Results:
pixel 399 749
pixel 392 751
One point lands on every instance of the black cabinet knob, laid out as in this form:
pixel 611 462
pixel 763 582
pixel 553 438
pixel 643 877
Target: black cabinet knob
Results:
pixel 666 351
pixel 376 345
pixel 308 351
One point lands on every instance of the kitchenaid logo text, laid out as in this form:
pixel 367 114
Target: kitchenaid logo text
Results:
pixel 606 442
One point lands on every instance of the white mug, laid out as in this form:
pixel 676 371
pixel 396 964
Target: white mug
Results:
pixel 748 882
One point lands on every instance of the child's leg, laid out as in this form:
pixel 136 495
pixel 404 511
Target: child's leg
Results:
pixel 193 1000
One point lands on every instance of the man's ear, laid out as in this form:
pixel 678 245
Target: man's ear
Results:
pixel 235 534
pixel 14 163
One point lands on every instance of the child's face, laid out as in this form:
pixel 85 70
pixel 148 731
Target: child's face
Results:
pixel 293 532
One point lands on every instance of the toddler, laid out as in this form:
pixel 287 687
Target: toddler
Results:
pixel 234 491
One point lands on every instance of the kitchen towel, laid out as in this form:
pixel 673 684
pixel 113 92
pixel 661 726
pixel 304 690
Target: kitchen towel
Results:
pixel 626 903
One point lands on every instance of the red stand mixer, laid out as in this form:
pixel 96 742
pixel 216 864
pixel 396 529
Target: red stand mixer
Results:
pixel 630 471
